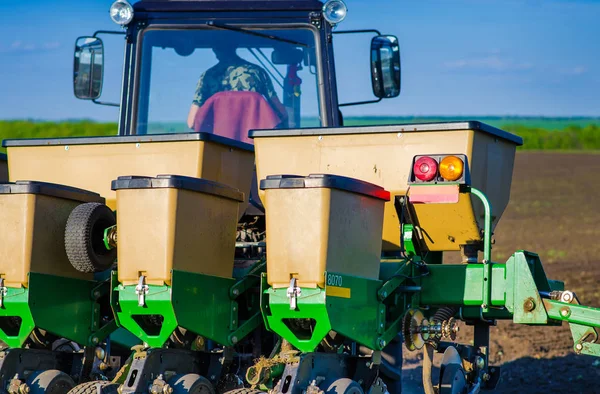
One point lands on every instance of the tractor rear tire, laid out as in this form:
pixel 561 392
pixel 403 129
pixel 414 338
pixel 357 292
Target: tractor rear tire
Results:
pixel 191 383
pixel 344 386
pixel 95 387
pixel 51 381
pixel 84 237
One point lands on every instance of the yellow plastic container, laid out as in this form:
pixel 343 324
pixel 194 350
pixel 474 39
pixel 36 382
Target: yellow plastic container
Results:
pixel 383 155
pixel 32 230
pixel 322 223
pixel 92 163
pixel 174 222
pixel 3 168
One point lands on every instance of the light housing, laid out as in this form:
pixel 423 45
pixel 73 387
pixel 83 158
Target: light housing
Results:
pixel 121 12
pixel 451 168
pixel 425 168
pixel 439 169
pixel 334 11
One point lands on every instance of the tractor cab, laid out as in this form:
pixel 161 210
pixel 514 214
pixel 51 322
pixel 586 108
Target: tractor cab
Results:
pixel 226 67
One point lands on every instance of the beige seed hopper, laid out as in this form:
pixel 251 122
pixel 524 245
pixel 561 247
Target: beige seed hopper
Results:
pixel 92 163
pixel 383 155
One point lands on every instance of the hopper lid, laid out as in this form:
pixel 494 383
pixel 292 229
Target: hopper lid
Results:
pixel 325 181
pixel 50 189
pixel 178 182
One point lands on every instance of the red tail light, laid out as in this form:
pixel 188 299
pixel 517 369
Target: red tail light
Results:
pixel 425 168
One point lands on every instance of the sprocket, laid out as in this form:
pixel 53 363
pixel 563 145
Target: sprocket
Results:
pixel 412 321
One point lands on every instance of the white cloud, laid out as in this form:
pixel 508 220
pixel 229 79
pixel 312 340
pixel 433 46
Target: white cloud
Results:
pixel 51 45
pixel 19 46
pixel 577 70
pixel 491 62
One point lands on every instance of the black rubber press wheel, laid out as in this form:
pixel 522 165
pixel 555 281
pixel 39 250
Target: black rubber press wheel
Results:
pixel 344 386
pixel 95 387
pixel 244 390
pixel 50 382
pixel 84 237
pixel 191 383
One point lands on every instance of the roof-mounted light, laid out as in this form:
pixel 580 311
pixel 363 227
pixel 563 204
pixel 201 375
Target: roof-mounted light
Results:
pixel 121 12
pixel 334 11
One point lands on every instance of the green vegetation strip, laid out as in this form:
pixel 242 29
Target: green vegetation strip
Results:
pixel 572 134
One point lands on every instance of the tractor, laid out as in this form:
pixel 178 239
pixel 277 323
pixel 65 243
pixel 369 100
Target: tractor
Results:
pixel 237 238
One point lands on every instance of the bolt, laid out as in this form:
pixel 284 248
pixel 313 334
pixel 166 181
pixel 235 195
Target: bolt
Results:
pixel 384 294
pixel 236 292
pixel 565 312
pixel 234 340
pixel 486 377
pixel 484 306
pixel 566 297
pixel 212 377
pixel 95 340
pixel 381 325
pixel 368 364
pixel 66 147
pixel 579 347
pixel 96 294
pixel 529 305
pixel 480 362
pixel 382 343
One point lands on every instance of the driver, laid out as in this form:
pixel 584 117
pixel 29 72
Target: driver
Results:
pixel 232 73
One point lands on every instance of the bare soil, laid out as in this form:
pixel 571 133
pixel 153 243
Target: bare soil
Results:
pixel 553 211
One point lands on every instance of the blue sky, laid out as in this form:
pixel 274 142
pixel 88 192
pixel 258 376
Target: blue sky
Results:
pixel 464 57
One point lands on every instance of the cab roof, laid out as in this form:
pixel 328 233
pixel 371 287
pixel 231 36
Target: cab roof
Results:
pixel 227 5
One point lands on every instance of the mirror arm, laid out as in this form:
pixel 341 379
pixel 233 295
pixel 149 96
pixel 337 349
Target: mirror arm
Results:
pixel 360 102
pixel 358 31
pixel 105 103
pixel 108 32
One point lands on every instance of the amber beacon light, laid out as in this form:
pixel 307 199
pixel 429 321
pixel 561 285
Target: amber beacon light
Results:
pixel 451 168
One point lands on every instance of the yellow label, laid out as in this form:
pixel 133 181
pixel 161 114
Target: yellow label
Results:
pixel 335 291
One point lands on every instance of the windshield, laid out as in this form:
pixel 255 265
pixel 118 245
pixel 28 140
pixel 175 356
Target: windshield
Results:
pixel 227 80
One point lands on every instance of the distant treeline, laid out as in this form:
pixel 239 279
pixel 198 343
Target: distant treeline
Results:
pixel 568 138
pixel 537 133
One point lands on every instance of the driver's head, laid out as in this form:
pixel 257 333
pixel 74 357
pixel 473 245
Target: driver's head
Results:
pixel 224 52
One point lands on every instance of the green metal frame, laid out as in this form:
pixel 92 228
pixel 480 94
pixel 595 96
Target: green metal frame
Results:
pixel 380 318
pixel 484 292
pixel 66 307
pixel 224 310
pixel 124 303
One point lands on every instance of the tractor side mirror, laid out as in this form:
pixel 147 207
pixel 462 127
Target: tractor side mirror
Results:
pixel 385 66
pixel 88 68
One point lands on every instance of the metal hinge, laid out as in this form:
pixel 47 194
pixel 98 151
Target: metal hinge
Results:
pixel 293 292
pixel 3 292
pixel 141 290
pixel 315 19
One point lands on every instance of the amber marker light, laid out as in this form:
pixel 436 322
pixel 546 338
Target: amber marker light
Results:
pixel 451 168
